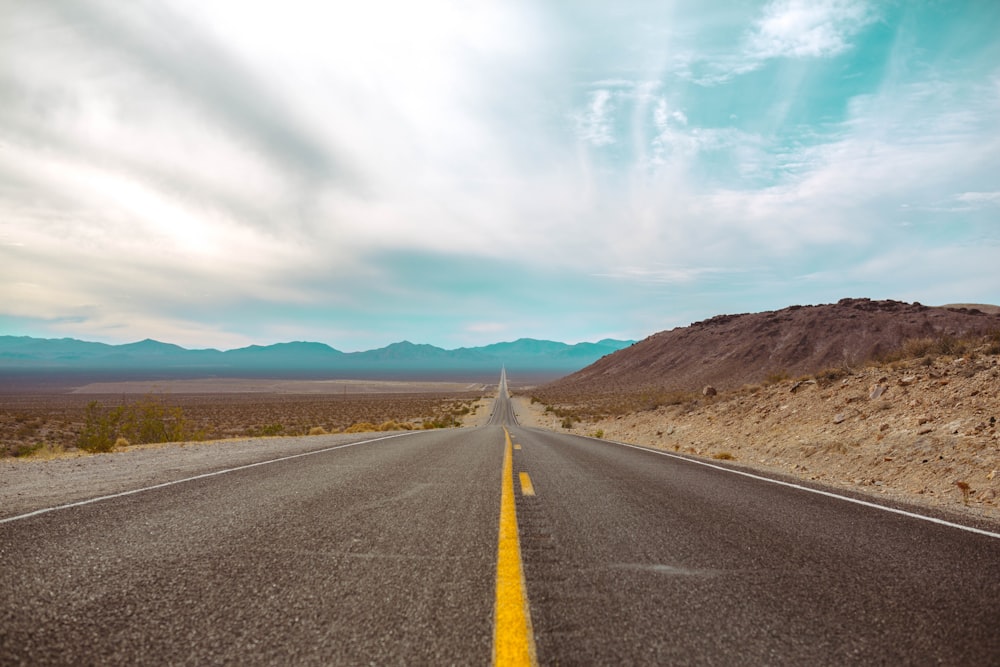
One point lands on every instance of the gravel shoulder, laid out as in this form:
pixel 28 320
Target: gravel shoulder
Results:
pixel 916 433
pixel 28 484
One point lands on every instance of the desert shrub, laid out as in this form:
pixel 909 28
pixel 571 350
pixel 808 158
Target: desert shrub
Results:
pixel 269 430
pixel 927 349
pixel 100 428
pixel 776 377
pixel 724 456
pixel 442 421
pixel 151 421
pixel 317 430
pixel 992 342
pixel 361 427
pixel 567 422
pixel 599 433
pixel 26 450
pixel 138 423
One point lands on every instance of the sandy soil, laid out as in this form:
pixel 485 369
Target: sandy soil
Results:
pixel 239 386
pixel 915 432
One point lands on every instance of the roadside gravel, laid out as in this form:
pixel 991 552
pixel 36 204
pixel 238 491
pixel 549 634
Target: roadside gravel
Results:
pixel 30 484
pixel 916 432
pixel 27 485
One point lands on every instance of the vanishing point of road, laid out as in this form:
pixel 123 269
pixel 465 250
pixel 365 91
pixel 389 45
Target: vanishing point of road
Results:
pixel 499 544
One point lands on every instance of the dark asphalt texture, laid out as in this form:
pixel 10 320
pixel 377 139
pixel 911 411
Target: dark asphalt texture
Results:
pixel 632 557
pixel 381 553
pixel 385 553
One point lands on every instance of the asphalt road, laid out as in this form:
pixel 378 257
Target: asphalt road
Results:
pixel 386 552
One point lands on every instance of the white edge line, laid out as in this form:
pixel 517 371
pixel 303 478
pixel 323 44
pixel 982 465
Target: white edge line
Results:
pixel 191 479
pixel 792 485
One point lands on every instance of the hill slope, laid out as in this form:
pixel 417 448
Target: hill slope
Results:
pixel 729 351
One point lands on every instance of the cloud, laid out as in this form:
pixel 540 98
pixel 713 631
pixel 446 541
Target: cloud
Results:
pixel 671 275
pixel 385 170
pixel 979 199
pixel 784 29
pixel 595 124
pixel 807 28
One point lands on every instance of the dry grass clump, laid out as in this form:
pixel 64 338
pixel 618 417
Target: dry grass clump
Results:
pixel 930 348
pixel 318 430
pixel 361 427
pixel 395 426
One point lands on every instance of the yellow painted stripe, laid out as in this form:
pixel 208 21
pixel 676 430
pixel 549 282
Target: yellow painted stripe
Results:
pixel 526 488
pixel 513 640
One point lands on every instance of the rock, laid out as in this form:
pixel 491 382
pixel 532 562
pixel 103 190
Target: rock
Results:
pixel 907 381
pixel 876 391
pixel 709 391
pixel 839 418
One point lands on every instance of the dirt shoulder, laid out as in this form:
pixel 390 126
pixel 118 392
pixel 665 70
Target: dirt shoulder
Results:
pixel 29 484
pixel 917 432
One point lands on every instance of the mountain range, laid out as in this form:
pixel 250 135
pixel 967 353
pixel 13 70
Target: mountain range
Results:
pixel 23 353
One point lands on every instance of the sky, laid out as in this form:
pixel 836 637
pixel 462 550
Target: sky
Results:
pixel 226 173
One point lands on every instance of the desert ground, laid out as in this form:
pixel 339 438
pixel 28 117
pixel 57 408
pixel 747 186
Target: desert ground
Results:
pixel 921 431
pixel 56 474
pixel 217 409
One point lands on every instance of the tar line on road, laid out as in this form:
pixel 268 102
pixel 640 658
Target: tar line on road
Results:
pixel 513 639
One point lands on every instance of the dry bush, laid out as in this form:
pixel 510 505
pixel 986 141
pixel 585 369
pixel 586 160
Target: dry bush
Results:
pixel 930 348
pixel 776 377
pixel 361 427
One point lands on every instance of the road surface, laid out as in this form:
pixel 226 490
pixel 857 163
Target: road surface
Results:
pixel 393 551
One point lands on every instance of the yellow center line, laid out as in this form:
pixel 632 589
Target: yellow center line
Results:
pixel 527 489
pixel 513 639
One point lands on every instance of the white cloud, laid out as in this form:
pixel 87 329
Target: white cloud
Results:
pixel 663 275
pixel 595 124
pixel 807 28
pixel 979 198
pixel 158 162
pixel 784 29
pixel 486 327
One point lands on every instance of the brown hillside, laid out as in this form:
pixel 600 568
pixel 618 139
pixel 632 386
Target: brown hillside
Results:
pixel 729 351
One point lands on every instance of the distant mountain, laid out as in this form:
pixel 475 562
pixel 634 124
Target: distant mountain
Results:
pixel 23 353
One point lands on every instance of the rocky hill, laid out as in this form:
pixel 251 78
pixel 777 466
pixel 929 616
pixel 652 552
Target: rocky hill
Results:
pixel 799 392
pixel 729 351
